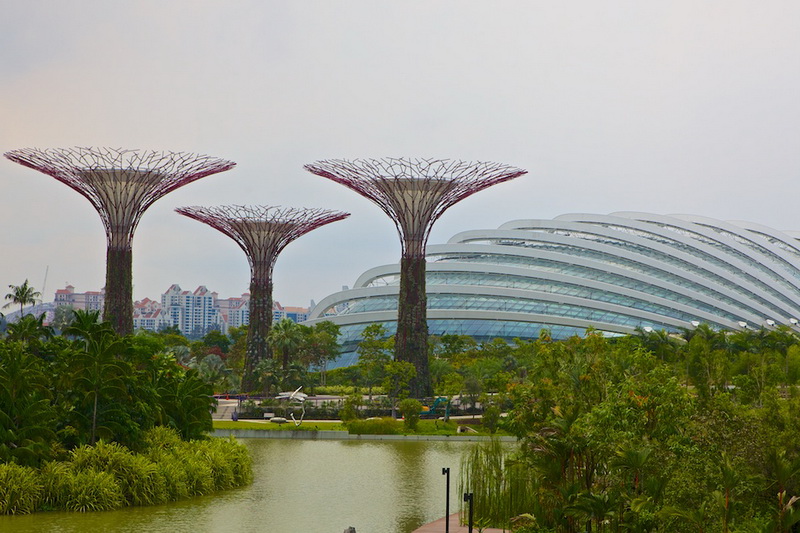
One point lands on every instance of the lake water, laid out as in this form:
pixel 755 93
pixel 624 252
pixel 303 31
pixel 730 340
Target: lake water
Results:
pixel 300 486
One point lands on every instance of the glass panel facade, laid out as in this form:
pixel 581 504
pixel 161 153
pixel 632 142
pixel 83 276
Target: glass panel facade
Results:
pixel 672 271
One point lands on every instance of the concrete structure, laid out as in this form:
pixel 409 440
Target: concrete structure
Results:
pixel 147 314
pixel 193 312
pixel 84 301
pixel 610 272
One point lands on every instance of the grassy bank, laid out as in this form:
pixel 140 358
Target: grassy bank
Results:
pixel 109 476
pixel 381 426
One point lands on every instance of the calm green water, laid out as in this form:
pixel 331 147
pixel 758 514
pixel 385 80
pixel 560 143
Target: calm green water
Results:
pixel 300 487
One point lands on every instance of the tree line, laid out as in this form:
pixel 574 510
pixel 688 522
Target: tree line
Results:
pixel 690 432
pixel 58 392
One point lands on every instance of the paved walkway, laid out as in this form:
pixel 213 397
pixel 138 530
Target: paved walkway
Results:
pixel 438 527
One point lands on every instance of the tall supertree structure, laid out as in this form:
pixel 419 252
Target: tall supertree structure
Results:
pixel 121 185
pixel 414 193
pixel 262 232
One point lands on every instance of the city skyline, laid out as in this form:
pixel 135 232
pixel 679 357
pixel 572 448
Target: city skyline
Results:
pixel 675 108
pixel 200 304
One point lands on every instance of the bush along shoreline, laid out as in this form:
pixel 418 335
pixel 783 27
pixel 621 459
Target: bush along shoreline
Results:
pixel 107 475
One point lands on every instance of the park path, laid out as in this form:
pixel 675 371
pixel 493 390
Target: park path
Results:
pixel 455 527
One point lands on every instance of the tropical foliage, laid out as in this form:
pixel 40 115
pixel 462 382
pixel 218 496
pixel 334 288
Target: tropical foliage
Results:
pixel 651 432
pixel 108 476
pixel 90 420
pixel 60 392
pixel 22 295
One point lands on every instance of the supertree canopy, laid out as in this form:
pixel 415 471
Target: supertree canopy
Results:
pixel 121 185
pixel 262 232
pixel 414 193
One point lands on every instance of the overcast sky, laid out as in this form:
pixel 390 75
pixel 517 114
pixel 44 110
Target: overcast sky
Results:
pixel 666 107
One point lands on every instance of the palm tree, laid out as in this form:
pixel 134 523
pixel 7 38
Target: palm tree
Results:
pixel 632 460
pixel 98 370
pixel 23 295
pixel 27 419
pixel 285 337
pixel 29 329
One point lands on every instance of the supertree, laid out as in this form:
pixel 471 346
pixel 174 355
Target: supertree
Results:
pixel 414 193
pixel 262 232
pixel 121 185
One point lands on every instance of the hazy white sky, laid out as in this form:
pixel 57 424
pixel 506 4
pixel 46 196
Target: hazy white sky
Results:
pixel 667 107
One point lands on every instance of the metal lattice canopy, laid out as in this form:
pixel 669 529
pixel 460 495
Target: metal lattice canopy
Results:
pixel 120 184
pixel 414 192
pixel 262 231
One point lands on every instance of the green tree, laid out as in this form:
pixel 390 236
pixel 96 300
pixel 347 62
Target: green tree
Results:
pixel 216 338
pixel 397 376
pixel 374 352
pixel 30 330
pixel 268 373
pixel 410 409
pixel 98 373
pixel 27 420
pixel 22 295
pixel 237 350
pixel 62 317
pixel 188 402
pixel 285 338
pixel 319 346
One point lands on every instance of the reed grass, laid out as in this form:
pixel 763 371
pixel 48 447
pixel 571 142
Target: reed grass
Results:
pixel 91 490
pixel 20 489
pixel 501 487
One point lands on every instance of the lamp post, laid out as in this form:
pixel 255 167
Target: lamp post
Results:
pixel 468 498
pixel 446 472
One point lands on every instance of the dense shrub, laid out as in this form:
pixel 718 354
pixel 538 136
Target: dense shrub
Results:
pixel 215 456
pixel 56 479
pixel 91 490
pixel 199 478
pixel 350 410
pixel 491 418
pixel 20 489
pixel 108 475
pixel 410 408
pixel 374 426
pixel 138 477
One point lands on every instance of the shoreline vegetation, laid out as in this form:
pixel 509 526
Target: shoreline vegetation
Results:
pixel 378 426
pixel 648 433
pixel 107 475
pixel 91 420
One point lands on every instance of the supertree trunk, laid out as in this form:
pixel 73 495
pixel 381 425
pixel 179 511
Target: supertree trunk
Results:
pixel 118 307
pixel 258 348
pixel 414 193
pixel 411 339
pixel 262 232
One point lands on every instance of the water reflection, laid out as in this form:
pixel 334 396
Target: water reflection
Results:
pixel 300 486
